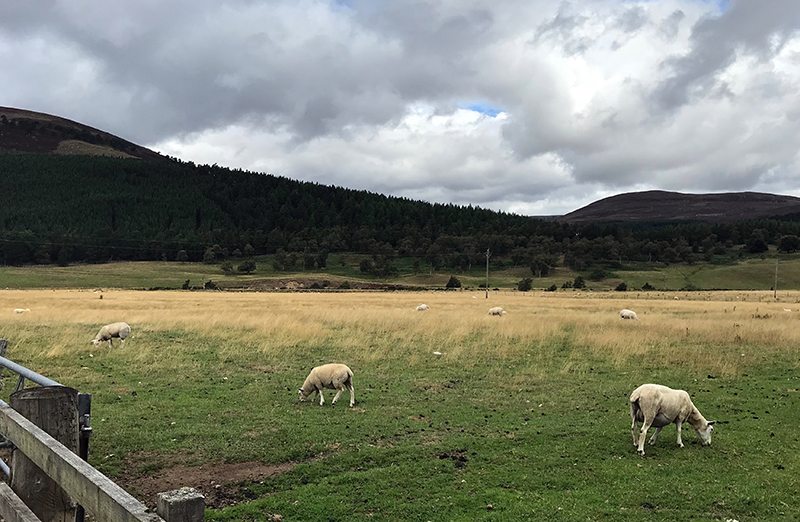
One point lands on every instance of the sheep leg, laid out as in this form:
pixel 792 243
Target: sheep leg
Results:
pixel 680 442
pixel 655 436
pixel 643 435
pixel 634 431
pixel 110 344
pixel 321 398
pixel 339 391
pixel 352 394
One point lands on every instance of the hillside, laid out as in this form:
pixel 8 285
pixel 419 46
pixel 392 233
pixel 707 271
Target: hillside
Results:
pixel 663 206
pixel 90 208
pixel 29 131
pixel 106 201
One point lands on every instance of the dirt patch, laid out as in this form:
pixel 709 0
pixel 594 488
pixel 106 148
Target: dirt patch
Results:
pixel 309 284
pixel 223 485
pixel 458 456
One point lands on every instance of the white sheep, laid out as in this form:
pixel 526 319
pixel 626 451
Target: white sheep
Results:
pixel 109 331
pixel 659 406
pixel 332 376
pixel 422 307
pixel 497 310
pixel 21 310
pixel 628 314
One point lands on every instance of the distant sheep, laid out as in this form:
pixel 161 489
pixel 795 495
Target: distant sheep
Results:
pixel 21 310
pixel 423 307
pixel 497 310
pixel 109 331
pixel 628 314
pixel 332 376
pixel 659 406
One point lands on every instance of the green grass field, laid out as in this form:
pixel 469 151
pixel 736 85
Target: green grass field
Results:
pixel 523 417
pixel 753 273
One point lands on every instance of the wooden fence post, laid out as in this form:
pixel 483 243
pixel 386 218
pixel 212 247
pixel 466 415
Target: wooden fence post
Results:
pixel 3 350
pixel 55 410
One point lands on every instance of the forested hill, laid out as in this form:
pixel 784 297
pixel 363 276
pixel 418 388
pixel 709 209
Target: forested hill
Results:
pixel 64 209
pixel 95 208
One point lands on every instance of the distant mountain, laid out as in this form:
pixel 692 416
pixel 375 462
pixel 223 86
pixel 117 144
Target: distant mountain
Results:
pixel 664 206
pixel 29 131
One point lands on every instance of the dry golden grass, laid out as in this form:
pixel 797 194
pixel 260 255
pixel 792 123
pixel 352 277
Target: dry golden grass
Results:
pixel 721 332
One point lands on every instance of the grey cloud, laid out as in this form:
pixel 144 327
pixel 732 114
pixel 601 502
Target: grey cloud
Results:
pixel 344 76
pixel 562 28
pixel 751 25
pixel 670 26
pixel 632 19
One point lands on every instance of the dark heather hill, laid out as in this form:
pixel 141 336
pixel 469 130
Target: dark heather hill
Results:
pixel 663 206
pixel 29 131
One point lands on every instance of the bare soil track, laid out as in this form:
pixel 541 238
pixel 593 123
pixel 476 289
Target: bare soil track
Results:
pixel 223 485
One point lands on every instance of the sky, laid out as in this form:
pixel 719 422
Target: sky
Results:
pixel 536 107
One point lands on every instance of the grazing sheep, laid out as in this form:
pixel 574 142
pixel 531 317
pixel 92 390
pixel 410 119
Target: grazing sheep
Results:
pixel 423 307
pixel 332 376
pixel 109 331
pixel 628 314
pixel 21 310
pixel 656 405
pixel 497 310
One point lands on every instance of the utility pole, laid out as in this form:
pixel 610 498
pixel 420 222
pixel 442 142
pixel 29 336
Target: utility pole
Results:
pixel 775 288
pixel 488 255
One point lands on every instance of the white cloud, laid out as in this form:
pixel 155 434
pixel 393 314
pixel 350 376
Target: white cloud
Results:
pixel 597 96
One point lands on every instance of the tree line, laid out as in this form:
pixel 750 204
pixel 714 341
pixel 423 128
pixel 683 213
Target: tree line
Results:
pixel 66 209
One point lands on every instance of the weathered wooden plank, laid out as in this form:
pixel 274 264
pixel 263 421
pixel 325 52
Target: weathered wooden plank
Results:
pixel 55 410
pixel 106 501
pixel 12 508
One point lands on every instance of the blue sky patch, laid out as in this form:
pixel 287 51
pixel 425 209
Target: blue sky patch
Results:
pixel 481 107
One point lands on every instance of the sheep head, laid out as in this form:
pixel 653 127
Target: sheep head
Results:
pixel 704 433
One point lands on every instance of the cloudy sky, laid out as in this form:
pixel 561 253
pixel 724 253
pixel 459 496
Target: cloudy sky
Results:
pixel 528 106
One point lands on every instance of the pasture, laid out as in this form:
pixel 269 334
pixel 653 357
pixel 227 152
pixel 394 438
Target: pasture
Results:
pixel 753 273
pixel 519 417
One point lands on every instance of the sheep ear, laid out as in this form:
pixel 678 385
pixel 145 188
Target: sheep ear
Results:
pixel 711 423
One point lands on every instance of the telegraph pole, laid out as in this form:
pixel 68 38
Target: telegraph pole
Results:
pixel 488 255
pixel 775 288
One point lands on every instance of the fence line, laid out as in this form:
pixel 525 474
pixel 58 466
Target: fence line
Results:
pixel 105 500
pixel 93 490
